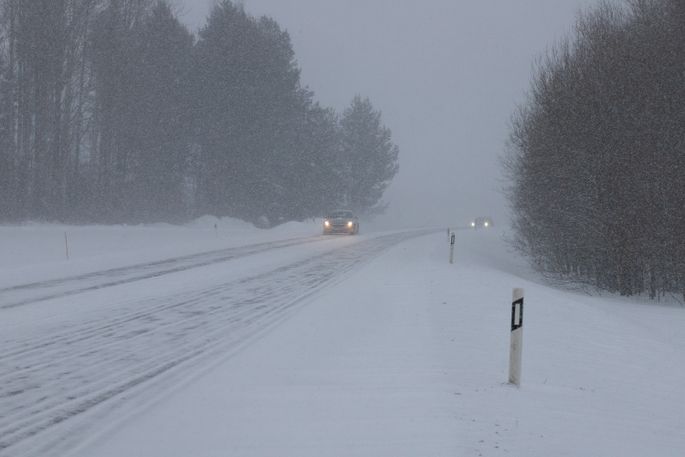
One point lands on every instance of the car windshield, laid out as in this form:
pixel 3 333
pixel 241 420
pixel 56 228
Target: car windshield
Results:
pixel 341 214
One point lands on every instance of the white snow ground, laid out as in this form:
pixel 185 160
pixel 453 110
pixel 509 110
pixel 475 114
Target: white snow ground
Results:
pixel 320 346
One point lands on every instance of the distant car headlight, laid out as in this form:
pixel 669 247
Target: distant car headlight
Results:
pixel 487 224
pixel 473 224
pixel 326 223
pixel 350 224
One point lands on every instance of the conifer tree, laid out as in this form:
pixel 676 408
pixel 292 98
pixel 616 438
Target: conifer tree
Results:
pixel 368 159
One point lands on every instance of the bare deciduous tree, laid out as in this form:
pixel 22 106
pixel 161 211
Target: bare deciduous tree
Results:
pixel 597 153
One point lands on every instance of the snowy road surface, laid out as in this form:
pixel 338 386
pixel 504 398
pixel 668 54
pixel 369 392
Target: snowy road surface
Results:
pixel 98 341
pixel 44 290
pixel 370 346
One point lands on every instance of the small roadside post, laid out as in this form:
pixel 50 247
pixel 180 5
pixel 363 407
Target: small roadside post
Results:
pixel 66 245
pixel 516 337
pixel 452 239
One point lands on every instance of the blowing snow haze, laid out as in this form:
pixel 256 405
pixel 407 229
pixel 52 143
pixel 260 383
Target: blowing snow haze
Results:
pixel 446 75
pixel 168 287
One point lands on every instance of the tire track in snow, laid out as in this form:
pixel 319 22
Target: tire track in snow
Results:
pixel 63 377
pixel 24 294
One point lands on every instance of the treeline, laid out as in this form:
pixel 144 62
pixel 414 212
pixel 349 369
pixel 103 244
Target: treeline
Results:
pixel 112 111
pixel 597 153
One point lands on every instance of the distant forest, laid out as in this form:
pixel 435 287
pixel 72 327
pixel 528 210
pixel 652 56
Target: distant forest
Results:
pixel 597 153
pixel 111 111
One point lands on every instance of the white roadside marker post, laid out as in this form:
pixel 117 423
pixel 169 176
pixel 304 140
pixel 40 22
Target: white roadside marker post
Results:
pixel 452 239
pixel 516 337
pixel 66 245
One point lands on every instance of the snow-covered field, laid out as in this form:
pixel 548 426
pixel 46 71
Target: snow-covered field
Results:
pixel 190 341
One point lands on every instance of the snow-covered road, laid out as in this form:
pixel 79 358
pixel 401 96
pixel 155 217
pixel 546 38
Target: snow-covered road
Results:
pixel 33 292
pixel 261 344
pixel 98 338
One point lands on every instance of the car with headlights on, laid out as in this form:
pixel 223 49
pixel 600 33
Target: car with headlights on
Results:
pixel 341 221
pixel 481 222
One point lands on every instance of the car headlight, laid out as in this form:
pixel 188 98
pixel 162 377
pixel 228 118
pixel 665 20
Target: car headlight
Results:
pixel 473 224
pixel 350 224
pixel 487 224
pixel 326 223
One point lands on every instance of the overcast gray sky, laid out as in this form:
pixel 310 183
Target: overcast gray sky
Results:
pixel 447 74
